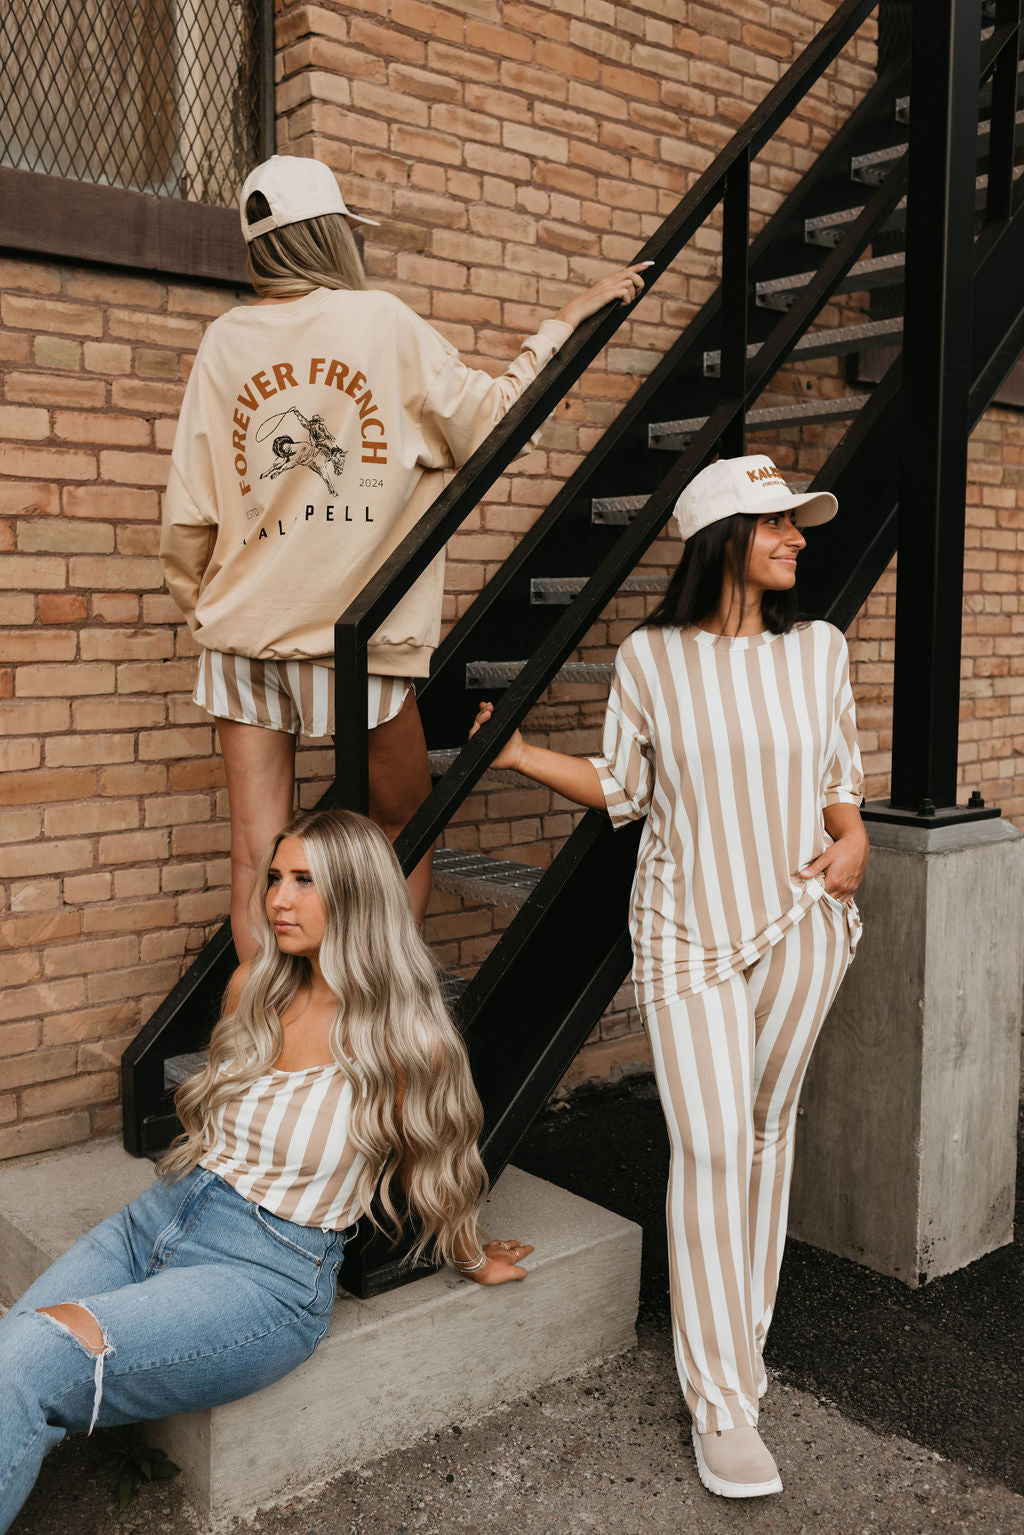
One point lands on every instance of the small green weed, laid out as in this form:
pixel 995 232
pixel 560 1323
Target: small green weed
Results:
pixel 132 1462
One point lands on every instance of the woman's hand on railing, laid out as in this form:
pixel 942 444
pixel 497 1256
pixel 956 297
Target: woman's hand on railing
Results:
pixel 511 753
pixel 622 287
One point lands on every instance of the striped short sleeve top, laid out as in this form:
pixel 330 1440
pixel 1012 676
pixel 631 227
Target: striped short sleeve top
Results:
pixel 732 749
pixel 284 1144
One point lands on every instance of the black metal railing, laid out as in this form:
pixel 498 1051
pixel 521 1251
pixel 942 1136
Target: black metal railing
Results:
pixel 726 180
pixel 157 98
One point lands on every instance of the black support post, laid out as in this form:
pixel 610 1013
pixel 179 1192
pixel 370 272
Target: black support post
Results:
pixel 945 62
pixel 735 298
pixel 268 114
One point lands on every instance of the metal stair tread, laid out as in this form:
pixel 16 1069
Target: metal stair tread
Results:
pixel 476 876
pixel 442 758
pixel 825 343
pixel 870 168
pixel 482 674
pixel 616 511
pixel 663 434
pixel 828 228
pixel 549 590
pixel 779 292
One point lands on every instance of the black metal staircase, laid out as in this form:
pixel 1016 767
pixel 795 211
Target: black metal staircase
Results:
pixel 537 997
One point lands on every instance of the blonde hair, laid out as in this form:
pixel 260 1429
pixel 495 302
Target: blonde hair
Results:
pixel 295 259
pixel 414 1102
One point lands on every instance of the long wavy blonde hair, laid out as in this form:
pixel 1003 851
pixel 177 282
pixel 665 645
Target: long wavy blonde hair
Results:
pixel 414 1102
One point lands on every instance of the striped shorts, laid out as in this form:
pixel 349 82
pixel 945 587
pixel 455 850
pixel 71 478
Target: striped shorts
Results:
pixel 294 696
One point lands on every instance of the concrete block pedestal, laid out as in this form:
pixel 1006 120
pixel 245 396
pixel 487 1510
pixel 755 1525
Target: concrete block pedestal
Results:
pixel 392 1369
pixel 906 1147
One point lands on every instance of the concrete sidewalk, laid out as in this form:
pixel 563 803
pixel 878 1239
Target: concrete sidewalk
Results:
pixel 605 1452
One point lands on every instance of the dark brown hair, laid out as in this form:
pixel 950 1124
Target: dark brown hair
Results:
pixel 709 556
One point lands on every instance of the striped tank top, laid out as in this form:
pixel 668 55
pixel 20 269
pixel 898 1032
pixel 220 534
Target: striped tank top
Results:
pixel 732 748
pixel 284 1144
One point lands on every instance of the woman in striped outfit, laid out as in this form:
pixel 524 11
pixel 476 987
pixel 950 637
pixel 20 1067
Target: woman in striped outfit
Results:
pixel 333 1072
pixel 730 727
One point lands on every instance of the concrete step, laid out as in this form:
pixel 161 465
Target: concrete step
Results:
pixel 498 674
pixel 392 1370
pixel 676 435
pixel 825 343
pixel 875 272
pixel 558 591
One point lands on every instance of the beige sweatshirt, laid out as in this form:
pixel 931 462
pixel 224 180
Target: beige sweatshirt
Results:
pixel 313 436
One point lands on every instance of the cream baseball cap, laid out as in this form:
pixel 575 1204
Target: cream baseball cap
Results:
pixel 296 189
pixel 752 486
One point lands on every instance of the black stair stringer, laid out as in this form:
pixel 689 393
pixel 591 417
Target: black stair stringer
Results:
pixel 544 986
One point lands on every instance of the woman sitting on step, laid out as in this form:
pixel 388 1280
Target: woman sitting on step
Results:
pixel 333 1072
pixel 730 727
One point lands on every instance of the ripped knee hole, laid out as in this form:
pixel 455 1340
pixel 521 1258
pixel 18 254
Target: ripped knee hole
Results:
pixel 80 1322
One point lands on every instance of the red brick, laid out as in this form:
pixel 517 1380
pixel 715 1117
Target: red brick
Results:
pixel 61 608
pixel 110 502
pixel 134 468
pixel 51 315
pixel 57 682
pixel 35 931
pixel 133 778
pixel 96 1087
pixel 100 427
pixel 31 718
pixel 118 713
pixel 27 500
pixel 97 816
pixel 133 847
pixel 89 1023
pixel 17 754
pixel 44 1135
pixel 149 399
pixel 38 645
pixel 430 19
pixel 131 917
pixel 114 985
pixel 56 463
pixel 40 788
pixel 56 536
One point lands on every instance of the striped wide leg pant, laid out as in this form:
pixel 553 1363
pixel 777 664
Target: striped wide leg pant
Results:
pixel 730 1062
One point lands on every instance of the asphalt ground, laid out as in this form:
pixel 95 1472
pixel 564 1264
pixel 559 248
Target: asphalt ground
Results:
pixel 942 1365
pixel 891 1411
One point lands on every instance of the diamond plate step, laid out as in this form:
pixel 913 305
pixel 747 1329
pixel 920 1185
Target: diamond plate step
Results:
pixel 615 511
pixel 443 758
pixel 876 272
pixel 825 343
pixel 829 228
pixel 872 169
pixel 479 878
pixel 675 435
pixel 485 674
pixel 558 591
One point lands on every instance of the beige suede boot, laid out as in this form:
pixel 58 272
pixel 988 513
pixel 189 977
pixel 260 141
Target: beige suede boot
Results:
pixel 735 1464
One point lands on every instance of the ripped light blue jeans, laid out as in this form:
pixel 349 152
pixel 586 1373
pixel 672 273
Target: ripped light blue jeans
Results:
pixel 201 1297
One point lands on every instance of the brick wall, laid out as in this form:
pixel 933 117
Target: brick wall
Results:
pixel 513 153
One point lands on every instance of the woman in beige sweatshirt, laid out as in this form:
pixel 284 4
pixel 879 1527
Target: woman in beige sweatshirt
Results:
pixel 317 426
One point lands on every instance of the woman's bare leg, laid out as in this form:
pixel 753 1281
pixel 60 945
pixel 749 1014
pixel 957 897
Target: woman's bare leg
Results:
pixel 399 783
pixel 260 769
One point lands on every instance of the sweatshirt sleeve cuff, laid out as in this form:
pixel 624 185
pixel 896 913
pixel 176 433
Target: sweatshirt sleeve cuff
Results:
pixel 555 332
